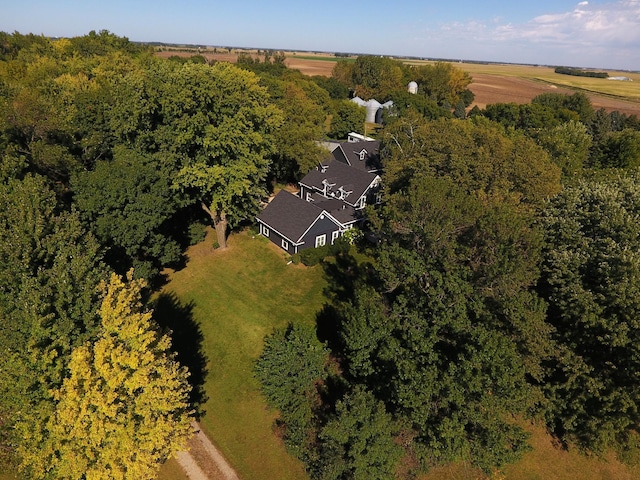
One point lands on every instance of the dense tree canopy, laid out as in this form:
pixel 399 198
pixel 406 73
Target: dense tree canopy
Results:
pixel 228 125
pixel 128 203
pixel 49 270
pixel 591 279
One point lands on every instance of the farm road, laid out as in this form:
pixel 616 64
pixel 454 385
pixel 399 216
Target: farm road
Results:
pixel 203 461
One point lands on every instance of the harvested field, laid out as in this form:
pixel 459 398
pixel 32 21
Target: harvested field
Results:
pixel 504 89
pixel 497 89
pixel 306 65
pixel 311 67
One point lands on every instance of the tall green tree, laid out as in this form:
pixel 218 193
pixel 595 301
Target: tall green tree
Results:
pixel 123 410
pixel 347 117
pixel 291 369
pixel 358 442
pixel 568 145
pixel 476 153
pixel 591 279
pixel 451 335
pixel 296 141
pixel 441 82
pixel 371 76
pixel 129 203
pixel 49 270
pixel 619 149
pixel 223 124
pixel 455 332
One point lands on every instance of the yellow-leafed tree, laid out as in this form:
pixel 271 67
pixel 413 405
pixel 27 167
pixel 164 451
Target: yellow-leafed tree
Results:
pixel 124 408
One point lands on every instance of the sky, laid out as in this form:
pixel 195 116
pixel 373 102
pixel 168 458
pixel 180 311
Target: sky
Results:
pixel 602 34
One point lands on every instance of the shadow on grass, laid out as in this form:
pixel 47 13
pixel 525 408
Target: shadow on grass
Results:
pixel 186 337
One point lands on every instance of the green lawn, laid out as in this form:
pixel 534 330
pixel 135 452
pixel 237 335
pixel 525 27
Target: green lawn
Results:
pixel 238 296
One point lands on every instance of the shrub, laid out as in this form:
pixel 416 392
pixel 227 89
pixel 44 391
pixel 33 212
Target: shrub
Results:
pixel 313 256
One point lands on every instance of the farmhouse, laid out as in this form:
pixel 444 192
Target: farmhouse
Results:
pixel 330 201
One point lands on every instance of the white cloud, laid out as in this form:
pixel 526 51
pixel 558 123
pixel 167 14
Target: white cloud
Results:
pixel 602 35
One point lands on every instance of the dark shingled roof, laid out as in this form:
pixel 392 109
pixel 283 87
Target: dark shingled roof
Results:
pixel 289 215
pixel 349 153
pixel 339 210
pixel 339 175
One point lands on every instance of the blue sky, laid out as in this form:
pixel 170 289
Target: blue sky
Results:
pixel 602 34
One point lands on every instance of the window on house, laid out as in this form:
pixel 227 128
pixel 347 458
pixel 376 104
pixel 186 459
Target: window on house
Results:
pixel 321 240
pixel 334 236
pixel 265 231
pixel 362 154
pixel 309 199
pixel 284 244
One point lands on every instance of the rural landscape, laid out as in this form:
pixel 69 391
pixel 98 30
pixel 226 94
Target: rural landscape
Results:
pixel 476 317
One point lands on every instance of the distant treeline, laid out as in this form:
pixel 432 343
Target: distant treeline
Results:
pixel 580 73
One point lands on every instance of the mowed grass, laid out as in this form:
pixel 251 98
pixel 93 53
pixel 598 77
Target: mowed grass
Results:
pixel 239 296
pixel 171 470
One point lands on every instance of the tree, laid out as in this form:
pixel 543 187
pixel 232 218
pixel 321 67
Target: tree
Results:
pixel 128 203
pixel 568 105
pixel 223 124
pixel 404 101
pixel 290 370
pixel 297 148
pixel 451 333
pixel 618 150
pixel 358 442
pixel 568 145
pixel 348 117
pixel 370 76
pixel 49 270
pixel 591 279
pixel 476 154
pixel 123 410
pixel 336 89
pixel 441 82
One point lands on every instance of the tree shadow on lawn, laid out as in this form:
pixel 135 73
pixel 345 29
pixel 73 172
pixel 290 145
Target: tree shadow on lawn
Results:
pixel 344 275
pixel 187 341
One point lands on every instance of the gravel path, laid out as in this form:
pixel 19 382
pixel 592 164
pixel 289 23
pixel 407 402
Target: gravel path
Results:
pixel 203 461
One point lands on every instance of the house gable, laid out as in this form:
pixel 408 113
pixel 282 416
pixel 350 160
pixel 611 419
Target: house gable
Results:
pixel 363 155
pixel 293 224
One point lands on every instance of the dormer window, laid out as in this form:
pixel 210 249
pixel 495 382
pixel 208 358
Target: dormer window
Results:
pixel 343 193
pixel 326 184
pixel 363 154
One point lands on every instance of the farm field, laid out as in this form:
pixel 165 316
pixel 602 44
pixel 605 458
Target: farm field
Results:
pixel 492 83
